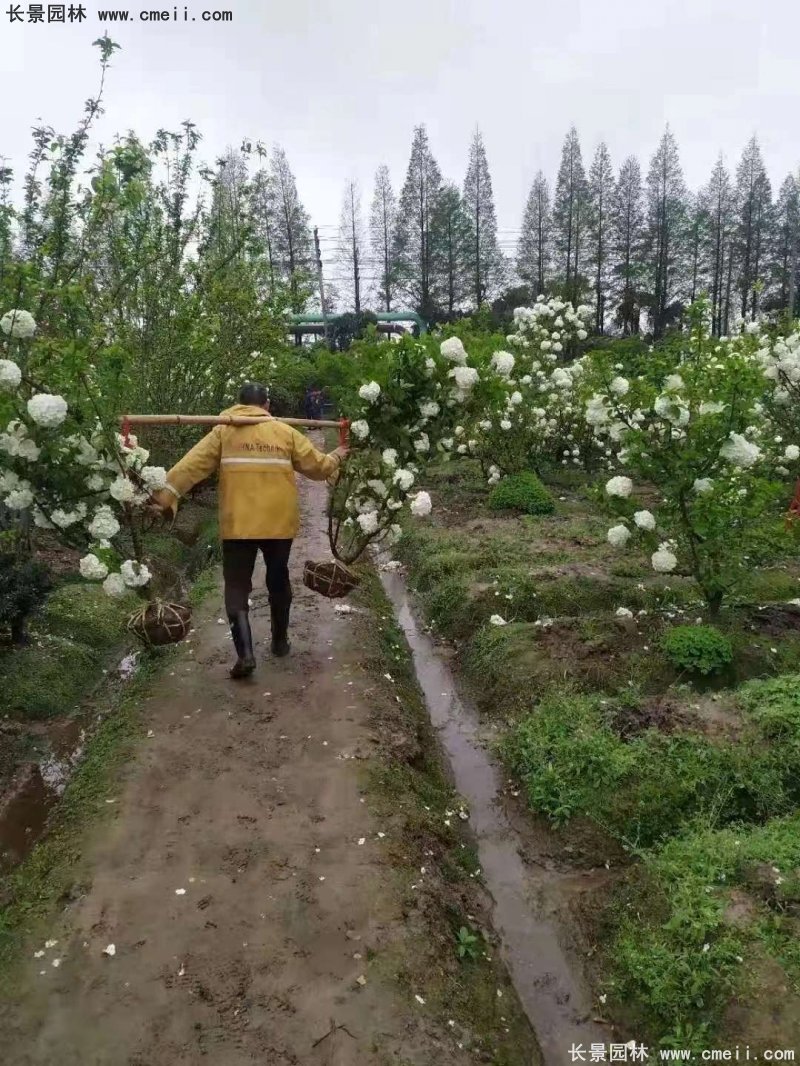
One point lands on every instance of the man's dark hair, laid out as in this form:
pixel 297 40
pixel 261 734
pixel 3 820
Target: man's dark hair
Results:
pixel 253 394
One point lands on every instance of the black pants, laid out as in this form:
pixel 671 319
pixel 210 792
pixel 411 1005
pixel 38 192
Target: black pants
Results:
pixel 238 561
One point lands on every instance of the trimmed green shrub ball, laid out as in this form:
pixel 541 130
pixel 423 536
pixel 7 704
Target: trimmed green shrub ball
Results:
pixel 523 493
pixel 700 648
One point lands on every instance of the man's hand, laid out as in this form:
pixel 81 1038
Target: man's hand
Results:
pixel 341 452
pixel 156 509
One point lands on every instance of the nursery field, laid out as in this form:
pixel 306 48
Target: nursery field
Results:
pixel 678 787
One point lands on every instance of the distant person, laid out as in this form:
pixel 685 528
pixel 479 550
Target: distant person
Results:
pixel 313 404
pixel 258 509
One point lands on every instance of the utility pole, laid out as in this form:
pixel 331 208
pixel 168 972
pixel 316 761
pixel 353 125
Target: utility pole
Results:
pixel 321 281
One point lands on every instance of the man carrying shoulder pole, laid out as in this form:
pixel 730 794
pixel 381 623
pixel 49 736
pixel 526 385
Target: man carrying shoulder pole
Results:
pixel 258 509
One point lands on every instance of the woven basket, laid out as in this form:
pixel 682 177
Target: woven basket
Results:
pixel 159 623
pixel 331 579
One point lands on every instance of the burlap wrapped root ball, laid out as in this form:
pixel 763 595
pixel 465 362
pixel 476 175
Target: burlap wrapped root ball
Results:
pixel 331 579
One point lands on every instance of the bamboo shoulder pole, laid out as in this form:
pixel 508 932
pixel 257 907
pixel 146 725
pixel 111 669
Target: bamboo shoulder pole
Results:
pixel 223 420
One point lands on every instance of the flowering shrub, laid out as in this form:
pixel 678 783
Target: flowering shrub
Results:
pixel 532 414
pixel 400 418
pixel 701 437
pixel 87 486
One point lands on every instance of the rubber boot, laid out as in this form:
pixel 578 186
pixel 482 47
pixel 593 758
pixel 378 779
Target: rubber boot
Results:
pixel 280 631
pixel 243 642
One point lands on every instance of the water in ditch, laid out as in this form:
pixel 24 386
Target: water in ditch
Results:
pixel 548 982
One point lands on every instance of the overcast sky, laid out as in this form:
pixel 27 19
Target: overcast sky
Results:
pixel 341 85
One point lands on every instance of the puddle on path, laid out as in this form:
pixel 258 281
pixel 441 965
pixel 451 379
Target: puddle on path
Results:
pixel 39 784
pixel 549 985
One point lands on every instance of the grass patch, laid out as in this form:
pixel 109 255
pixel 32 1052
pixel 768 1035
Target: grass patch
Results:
pixel 690 929
pixel 48 678
pixel 51 874
pixel 651 787
pixel 85 614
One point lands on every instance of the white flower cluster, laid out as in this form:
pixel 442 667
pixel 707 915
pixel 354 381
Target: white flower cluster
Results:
pixel 46 410
pixel 10 375
pixel 19 324
pixel 537 409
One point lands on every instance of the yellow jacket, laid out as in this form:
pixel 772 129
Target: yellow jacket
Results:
pixel 257 490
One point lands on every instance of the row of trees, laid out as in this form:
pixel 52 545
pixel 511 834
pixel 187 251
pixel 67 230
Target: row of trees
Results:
pixel 652 246
pixel 639 248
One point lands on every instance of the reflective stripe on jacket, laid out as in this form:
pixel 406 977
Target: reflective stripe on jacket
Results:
pixel 257 490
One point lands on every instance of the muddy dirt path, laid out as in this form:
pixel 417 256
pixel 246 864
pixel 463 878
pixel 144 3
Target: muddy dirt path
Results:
pixel 240 880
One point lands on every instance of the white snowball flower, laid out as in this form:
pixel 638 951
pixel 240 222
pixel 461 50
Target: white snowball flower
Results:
pixel 404 479
pixel 20 324
pixel 466 377
pixel 582 334
pixel 618 536
pixel 368 522
pixel 134 574
pixel 645 520
pixel 154 477
pixel 497 620
pixel 619 486
pixel 703 485
pixel 360 429
pixel 29 450
pixel 114 586
pixel 453 350
pixel 370 392
pixel 623 612
pixel 619 386
pixel 503 363
pixel 122 489
pixel 94 483
pixel 740 451
pixel 430 409
pixel 421 505
pixel 711 407
pixel 10 375
pixel 792 452
pixel 104 525
pixel 378 487
pixel 422 443
pixel 515 399
pixel 505 424
pixel 672 411
pixel 64 519
pixel 46 410
pixel 663 561
pixel 92 568
pixel 597 411
pixel 674 382
pixel 19 499
pixel 389 456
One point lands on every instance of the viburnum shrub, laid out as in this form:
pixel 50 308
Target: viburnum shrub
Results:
pixel 532 413
pixel 61 469
pixel 700 440
pixel 779 357
pixel 399 420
